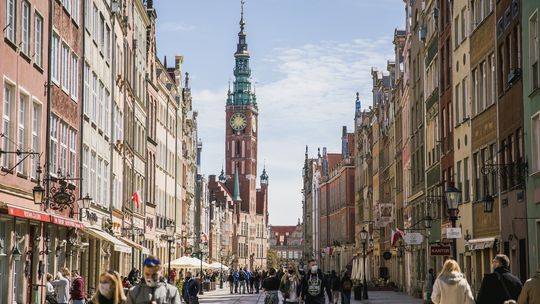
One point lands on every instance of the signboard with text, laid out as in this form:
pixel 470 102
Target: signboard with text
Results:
pixel 440 250
pixel 453 233
pixel 413 238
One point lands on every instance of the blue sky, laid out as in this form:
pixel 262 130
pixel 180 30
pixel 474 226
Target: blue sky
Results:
pixel 308 58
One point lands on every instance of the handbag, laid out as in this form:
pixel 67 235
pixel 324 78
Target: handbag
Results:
pixel 508 296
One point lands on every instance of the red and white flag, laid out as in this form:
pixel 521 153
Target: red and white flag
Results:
pixel 204 237
pixel 136 197
pixel 396 235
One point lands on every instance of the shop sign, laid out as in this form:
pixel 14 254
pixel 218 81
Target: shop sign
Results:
pixel 67 222
pixel 440 250
pixel 453 233
pixel 413 238
pixel 38 216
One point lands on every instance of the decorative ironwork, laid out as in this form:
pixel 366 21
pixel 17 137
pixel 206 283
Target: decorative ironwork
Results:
pixel 513 173
pixel 61 196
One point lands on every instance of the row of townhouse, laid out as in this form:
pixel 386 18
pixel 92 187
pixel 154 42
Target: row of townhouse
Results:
pixel 98 143
pixel 456 111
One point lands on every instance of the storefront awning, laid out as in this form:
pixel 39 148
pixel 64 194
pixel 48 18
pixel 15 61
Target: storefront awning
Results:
pixel 479 244
pixel 67 222
pixel 29 214
pixel 118 246
pixel 131 243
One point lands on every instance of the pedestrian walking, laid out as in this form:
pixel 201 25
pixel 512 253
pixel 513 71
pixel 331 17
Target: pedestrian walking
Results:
pixel 230 280
pixel 77 290
pixel 50 295
pixel 428 286
pixel 252 282
pixel 191 289
pixel 290 285
pixel 153 288
pixel 271 287
pixel 530 294
pixel 110 290
pixel 236 276
pixel 314 285
pixel 346 288
pixel 257 281
pixel 248 279
pixel 335 284
pixel 500 285
pixel 451 287
pixel 134 276
pixel 242 280
pixel 61 288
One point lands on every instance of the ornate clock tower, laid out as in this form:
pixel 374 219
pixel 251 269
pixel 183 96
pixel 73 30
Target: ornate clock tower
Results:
pixel 241 129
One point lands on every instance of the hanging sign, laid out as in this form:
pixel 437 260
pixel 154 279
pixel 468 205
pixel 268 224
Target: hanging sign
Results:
pixel 413 238
pixel 440 250
pixel 453 233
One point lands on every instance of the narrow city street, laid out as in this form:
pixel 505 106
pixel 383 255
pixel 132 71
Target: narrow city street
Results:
pixel 376 297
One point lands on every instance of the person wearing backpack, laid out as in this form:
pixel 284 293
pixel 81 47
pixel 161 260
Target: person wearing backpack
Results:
pixel 314 285
pixel 153 288
pixel 242 280
pixel 290 285
pixel 335 285
pixel 76 291
pixel 500 286
pixel 346 288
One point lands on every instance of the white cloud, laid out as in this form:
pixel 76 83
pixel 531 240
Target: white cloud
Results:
pixel 312 98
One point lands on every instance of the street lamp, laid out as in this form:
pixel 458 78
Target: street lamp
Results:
pixel 364 238
pixel 428 222
pixel 453 197
pixel 488 203
pixel 221 268
pixel 169 230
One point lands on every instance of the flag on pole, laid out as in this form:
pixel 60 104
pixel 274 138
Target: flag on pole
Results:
pixel 136 198
pixel 396 235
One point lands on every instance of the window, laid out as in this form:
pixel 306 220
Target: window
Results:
pixel 93 109
pixel 492 94
pixel 11 18
pixel 86 90
pixel 533 50
pixel 106 106
pixel 95 22
pixel 36 127
pixel 107 43
pixel 457 103
pixel 85 172
pixel 55 52
pixel 65 67
pixel 535 125
pixel 87 14
pixel 72 152
pixel 64 148
pixel 476 187
pixel 92 180
pixel 38 40
pixel 25 27
pixel 457 32
pixel 466 188
pixel 105 181
pixel 54 145
pixel 74 76
pixel 98 182
pixel 75 11
pixel 21 132
pixel 464 98
pixel 100 104
pixel 475 91
pixel 101 32
pixel 7 126
pixel 464 24
pixel 483 87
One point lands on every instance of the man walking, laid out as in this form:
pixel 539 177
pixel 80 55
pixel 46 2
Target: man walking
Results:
pixel 77 292
pixel 314 284
pixel 242 280
pixel 191 290
pixel 501 285
pixel 153 288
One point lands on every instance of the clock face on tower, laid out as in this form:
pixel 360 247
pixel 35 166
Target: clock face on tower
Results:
pixel 238 121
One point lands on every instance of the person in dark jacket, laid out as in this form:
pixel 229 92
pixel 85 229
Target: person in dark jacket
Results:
pixel 191 290
pixel 492 290
pixel 346 288
pixel 230 279
pixel 314 284
pixel 77 290
pixel 335 284
pixel 271 287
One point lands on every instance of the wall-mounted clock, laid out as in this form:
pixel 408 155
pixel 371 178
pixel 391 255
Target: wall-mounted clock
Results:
pixel 238 121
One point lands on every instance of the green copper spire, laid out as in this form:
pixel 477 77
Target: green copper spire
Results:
pixel 236 195
pixel 241 94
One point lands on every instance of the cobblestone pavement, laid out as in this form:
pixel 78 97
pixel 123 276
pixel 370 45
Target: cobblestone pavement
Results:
pixel 375 297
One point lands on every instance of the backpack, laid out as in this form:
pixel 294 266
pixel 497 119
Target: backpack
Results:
pixel 347 285
pixel 242 276
pixel 335 283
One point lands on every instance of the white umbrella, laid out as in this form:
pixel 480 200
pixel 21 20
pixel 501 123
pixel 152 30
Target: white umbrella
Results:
pixel 186 262
pixel 218 266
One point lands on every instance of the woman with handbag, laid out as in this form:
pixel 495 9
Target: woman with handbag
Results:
pixel 451 287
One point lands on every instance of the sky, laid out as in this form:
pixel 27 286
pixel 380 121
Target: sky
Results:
pixel 308 60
